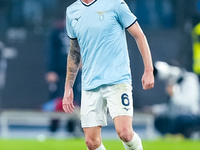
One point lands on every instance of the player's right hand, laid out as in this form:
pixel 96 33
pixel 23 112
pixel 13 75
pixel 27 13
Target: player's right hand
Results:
pixel 67 102
pixel 148 80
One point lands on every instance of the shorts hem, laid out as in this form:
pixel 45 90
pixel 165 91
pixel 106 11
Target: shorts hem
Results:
pixel 121 115
pixel 93 125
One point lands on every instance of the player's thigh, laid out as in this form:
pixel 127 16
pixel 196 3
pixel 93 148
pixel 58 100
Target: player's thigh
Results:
pixel 93 109
pixel 119 100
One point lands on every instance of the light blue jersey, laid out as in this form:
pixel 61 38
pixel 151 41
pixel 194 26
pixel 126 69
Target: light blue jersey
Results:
pixel 100 30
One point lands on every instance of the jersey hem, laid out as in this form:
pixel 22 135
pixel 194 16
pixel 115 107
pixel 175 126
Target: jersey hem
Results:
pixel 112 83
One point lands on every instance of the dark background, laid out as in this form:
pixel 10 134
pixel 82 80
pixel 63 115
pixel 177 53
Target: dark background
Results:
pixel 166 23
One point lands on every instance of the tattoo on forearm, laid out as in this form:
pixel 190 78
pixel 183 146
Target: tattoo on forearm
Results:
pixel 73 62
pixel 75 51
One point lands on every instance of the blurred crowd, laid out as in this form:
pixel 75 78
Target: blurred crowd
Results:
pixel 181 113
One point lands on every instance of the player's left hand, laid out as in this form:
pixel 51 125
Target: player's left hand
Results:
pixel 148 80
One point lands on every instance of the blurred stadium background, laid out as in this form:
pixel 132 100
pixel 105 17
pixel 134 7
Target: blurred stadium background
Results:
pixel 25 27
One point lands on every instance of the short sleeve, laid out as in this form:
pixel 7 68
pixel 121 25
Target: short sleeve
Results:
pixel 124 15
pixel 70 31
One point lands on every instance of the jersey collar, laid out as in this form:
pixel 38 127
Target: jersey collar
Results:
pixel 89 3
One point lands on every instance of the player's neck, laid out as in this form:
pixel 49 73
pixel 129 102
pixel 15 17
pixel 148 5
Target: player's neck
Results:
pixel 87 1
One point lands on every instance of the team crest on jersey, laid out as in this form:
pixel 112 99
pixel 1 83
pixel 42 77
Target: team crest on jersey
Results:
pixel 101 14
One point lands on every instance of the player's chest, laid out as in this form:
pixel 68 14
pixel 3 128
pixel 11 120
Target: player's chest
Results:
pixel 93 20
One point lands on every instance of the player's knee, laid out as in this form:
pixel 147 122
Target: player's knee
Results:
pixel 125 134
pixel 92 143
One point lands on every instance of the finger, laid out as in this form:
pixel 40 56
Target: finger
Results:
pixel 143 84
pixel 152 85
pixel 145 87
pixel 72 105
pixel 71 108
pixel 65 108
pixel 149 86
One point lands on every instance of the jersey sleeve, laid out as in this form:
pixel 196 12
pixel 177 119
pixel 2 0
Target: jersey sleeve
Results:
pixel 124 15
pixel 70 31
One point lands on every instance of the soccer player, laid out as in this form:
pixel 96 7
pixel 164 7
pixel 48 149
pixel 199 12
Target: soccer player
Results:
pixel 97 32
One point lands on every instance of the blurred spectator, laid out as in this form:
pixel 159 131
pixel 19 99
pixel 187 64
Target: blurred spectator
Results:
pixel 180 115
pixel 32 12
pixel 154 13
pixel 15 13
pixel 57 52
pixel 6 53
pixel 56 71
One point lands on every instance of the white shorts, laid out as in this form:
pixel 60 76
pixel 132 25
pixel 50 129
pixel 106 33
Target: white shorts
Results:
pixel 95 103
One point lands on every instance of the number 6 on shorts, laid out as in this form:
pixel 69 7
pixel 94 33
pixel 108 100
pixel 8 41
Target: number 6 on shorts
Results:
pixel 125 100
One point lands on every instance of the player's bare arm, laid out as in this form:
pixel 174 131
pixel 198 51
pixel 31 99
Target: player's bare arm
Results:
pixel 148 77
pixel 73 63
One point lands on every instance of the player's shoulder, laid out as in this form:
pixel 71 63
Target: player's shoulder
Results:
pixel 73 6
pixel 119 2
